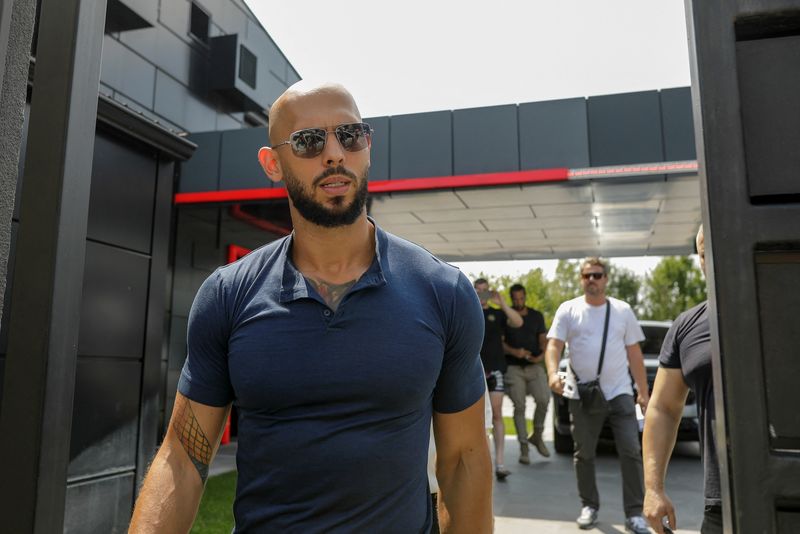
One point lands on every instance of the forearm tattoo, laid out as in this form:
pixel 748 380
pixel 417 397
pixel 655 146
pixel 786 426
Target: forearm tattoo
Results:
pixel 191 436
pixel 332 294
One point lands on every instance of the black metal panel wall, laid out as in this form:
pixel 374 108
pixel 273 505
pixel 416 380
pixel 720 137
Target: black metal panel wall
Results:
pixel 204 167
pixel 745 86
pixel 775 272
pixel 421 145
pixel 677 124
pixel 114 305
pixel 163 71
pixel 625 128
pixel 121 202
pixel 105 417
pixel 117 306
pixel 554 134
pixel 239 167
pixel 770 113
pixel 485 140
pixel 99 506
pixel 379 154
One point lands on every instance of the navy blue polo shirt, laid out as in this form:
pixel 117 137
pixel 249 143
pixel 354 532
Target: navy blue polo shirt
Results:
pixel 335 406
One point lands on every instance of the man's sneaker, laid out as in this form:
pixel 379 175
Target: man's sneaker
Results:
pixel 588 518
pixel 538 442
pixel 501 473
pixel 524 458
pixel 636 524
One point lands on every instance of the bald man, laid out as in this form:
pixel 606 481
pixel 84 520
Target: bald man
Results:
pixel 338 344
pixel 684 365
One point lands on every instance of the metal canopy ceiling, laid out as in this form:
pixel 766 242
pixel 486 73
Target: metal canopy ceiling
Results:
pixel 606 216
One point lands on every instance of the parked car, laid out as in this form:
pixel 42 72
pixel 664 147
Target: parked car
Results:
pixel 654 332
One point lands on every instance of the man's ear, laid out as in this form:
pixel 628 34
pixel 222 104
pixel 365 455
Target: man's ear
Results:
pixel 269 162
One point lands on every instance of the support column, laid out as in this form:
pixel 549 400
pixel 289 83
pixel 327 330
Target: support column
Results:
pixel 39 383
pixel 16 31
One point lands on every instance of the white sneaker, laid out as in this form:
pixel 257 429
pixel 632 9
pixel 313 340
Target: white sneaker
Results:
pixel 637 524
pixel 588 518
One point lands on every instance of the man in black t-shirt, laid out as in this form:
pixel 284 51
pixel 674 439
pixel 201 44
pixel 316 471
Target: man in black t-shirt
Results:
pixel 526 373
pixel 494 363
pixel 685 364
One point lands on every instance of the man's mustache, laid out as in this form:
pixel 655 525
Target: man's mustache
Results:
pixel 332 171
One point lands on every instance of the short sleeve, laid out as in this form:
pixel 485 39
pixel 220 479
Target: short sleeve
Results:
pixel 560 327
pixel 204 377
pixel 542 327
pixel 670 356
pixel 461 380
pixel 633 331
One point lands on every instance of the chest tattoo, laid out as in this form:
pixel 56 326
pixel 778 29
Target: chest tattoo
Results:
pixel 332 294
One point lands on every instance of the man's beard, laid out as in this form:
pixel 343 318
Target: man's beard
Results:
pixel 321 215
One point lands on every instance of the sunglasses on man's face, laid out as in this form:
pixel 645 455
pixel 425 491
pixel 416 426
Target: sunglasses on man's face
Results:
pixel 310 142
pixel 596 276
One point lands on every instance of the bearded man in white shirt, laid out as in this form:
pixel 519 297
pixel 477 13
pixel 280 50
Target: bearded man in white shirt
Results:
pixel 603 336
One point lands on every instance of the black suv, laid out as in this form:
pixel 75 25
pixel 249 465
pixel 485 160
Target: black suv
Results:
pixel 654 332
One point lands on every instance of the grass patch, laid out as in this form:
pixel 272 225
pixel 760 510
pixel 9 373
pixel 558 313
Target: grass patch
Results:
pixel 511 430
pixel 215 515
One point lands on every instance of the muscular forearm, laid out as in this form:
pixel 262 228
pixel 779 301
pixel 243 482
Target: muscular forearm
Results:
pixel 465 492
pixel 551 357
pixel 660 431
pixel 636 365
pixel 170 494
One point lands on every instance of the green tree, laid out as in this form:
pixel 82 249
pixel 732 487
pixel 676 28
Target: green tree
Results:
pixel 566 284
pixel 537 291
pixel 674 285
pixel 625 285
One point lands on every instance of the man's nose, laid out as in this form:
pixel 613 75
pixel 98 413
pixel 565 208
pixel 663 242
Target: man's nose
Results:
pixel 333 153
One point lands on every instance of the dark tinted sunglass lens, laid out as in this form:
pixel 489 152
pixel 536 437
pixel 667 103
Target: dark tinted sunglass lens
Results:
pixel 353 137
pixel 308 143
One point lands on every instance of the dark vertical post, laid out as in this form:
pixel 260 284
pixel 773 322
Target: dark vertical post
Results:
pixel 745 60
pixel 16 30
pixel 45 316
pixel 157 338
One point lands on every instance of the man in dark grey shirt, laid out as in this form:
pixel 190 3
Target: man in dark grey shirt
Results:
pixel 685 364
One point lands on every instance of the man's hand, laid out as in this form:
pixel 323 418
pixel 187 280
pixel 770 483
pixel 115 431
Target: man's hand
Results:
pixel 643 399
pixel 524 354
pixel 496 298
pixel 556 383
pixel 658 506
pixel 551 356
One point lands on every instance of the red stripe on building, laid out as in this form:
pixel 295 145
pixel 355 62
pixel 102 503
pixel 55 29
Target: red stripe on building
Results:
pixel 390 186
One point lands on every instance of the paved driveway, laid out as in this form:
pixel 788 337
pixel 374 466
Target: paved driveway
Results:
pixel 543 498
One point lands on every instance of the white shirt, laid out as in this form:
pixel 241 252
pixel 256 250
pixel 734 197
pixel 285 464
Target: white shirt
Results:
pixel 580 326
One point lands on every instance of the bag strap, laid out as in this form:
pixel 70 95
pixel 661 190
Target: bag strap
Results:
pixel 602 350
pixel 605 336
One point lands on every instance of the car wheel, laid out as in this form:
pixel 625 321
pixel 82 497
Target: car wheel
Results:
pixel 562 442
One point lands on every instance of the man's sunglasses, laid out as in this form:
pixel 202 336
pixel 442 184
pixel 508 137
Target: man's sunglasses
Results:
pixel 596 276
pixel 310 142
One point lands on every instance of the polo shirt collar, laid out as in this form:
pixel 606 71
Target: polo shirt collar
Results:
pixel 294 286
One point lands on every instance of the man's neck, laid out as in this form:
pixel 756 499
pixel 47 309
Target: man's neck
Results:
pixel 595 300
pixel 333 255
